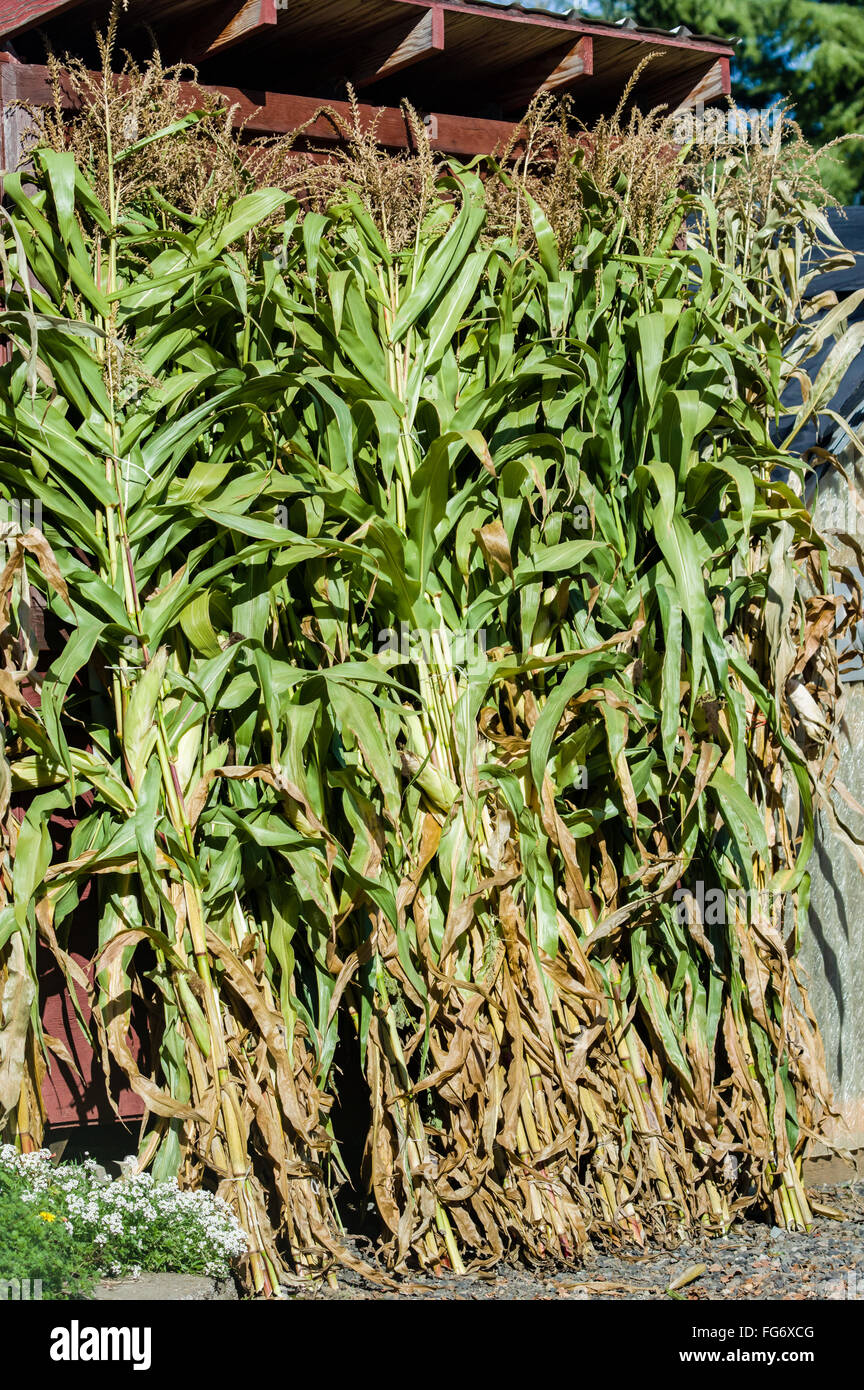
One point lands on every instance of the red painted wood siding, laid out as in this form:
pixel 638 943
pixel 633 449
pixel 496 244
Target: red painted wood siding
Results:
pixel 77 1097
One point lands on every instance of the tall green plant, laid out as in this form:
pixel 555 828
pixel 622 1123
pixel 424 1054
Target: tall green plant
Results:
pixel 117 461
pixel 428 604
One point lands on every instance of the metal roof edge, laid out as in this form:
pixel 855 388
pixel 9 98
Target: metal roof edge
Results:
pixel 564 9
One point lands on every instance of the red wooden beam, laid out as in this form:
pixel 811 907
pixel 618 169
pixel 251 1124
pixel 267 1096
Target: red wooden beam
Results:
pixel 402 47
pixel 16 15
pixel 276 113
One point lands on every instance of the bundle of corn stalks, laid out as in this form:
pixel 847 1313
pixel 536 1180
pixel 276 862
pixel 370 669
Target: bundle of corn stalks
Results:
pixel 431 607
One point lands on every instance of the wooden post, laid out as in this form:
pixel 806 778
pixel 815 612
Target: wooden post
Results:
pixel 14 122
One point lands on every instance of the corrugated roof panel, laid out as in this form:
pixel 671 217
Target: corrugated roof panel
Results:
pixel 573 9
pixel 563 7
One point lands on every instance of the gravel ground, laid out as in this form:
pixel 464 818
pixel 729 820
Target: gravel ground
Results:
pixel 755 1261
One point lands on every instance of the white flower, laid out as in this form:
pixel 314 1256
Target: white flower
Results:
pixel 132 1213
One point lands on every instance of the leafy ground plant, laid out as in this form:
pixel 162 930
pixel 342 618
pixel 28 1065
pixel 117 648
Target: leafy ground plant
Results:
pixel 39 1248
pixel 109 1228
pixel 435 625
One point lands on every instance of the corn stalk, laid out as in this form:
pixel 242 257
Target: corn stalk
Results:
pixel 427 601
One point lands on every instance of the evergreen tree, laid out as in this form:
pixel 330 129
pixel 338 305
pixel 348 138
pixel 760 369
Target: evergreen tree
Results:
pixel 811 51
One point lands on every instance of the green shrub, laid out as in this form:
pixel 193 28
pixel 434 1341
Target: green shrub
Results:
pixel 38 1244
pixel 67 1219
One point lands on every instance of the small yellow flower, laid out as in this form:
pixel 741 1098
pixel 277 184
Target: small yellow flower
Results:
pixel 47 1216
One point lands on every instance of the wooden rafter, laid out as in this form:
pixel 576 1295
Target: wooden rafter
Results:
pixel 714 83
pixel 402 47
pixel 555 73
pixel 235 22
pixel 577 62
pixel 17 15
